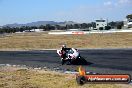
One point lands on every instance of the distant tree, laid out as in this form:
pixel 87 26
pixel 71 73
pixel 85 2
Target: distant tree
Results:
pixel 84 26
pixel 21 29
pixel 119 25
pixel 107 27
pixel 13 30
pixel 70 26
pixel 76 26
pixel 42 27
pixel 63 28
pixel 89 25
pixel 34 27
pixel 17 29
pixel 52 28
pixel 48 27
pixel 7 29
pixel 93 24
pixel 28 28
pixel 58 27
pixel 129 16
pixel 1 31
pixel 112 24
pixel 101 28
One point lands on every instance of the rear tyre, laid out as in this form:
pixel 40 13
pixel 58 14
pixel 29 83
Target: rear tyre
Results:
pixel 82 60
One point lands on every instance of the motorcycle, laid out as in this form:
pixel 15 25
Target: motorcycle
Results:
pixel 71 55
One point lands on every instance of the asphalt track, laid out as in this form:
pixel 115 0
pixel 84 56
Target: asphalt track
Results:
pixel 104 61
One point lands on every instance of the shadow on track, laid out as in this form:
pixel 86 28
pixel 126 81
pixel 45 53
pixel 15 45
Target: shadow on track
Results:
pixel 81 61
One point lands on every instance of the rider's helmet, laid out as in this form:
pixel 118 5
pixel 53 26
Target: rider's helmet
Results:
pixel 63 46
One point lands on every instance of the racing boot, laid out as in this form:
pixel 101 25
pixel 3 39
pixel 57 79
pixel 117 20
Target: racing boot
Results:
pixel 62 61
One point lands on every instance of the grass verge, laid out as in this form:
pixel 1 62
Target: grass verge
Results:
pixel 27 41
pixel 22 78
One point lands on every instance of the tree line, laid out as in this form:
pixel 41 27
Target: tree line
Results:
pixel 49 27
pixel 129 16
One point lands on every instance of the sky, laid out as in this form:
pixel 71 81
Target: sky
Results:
pixel 25 11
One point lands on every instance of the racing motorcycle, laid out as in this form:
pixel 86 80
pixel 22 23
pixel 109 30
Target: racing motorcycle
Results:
pixel 71 55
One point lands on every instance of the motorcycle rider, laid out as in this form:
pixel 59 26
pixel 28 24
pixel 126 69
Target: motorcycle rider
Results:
pixel 68 55
pixel 64 51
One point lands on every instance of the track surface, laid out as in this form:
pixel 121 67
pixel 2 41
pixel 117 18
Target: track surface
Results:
pixel 99 60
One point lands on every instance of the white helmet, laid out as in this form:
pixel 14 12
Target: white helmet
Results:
pixel 64 46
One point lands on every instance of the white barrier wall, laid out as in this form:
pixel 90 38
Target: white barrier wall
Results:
pixel 67 32
pixel 83 32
